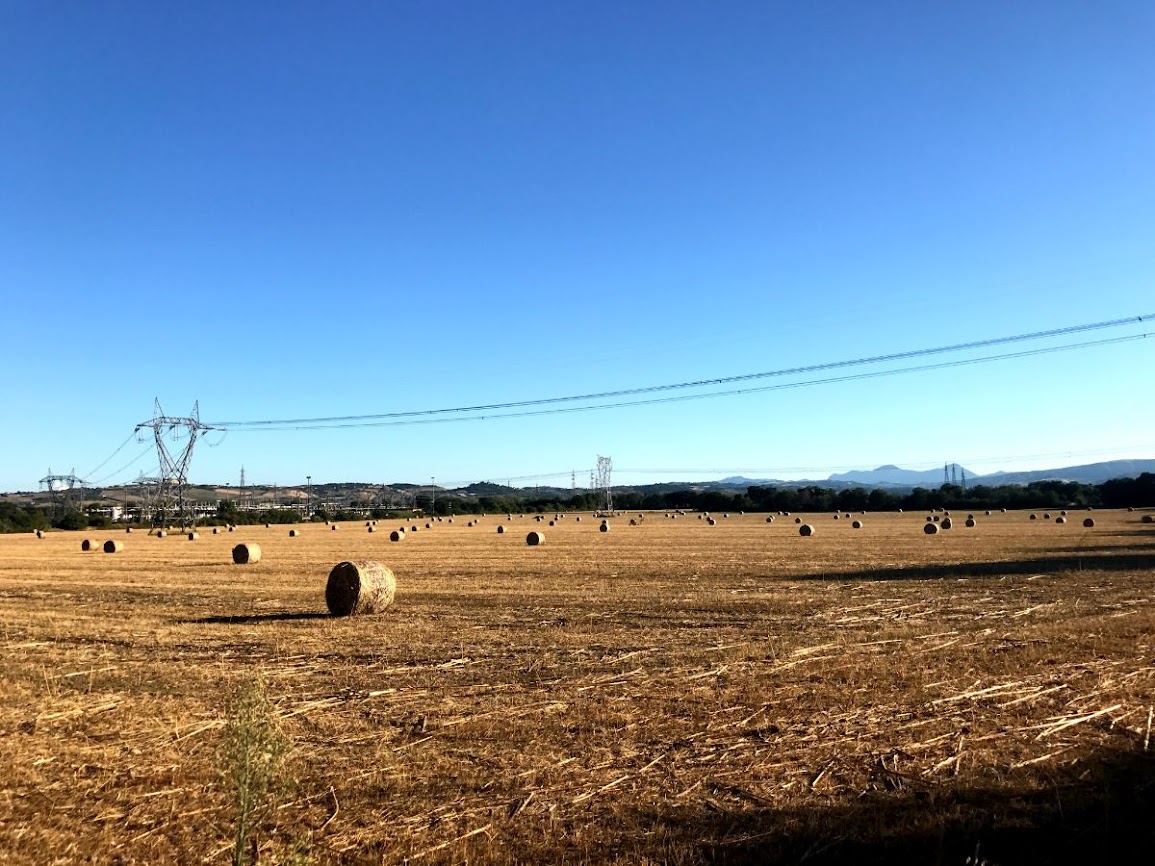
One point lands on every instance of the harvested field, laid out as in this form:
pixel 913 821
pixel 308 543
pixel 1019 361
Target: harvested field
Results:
pixel 675 694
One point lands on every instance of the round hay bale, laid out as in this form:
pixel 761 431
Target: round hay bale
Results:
pixel 246 554
pixel 39 533
pixel 970 517
pixel 605 527
pixel 578 519
pixel 397 535
pixel 699 516
pixel 725 514
pixel 293 533
pixel 111 546
pixel 216 530
pixel 469 524
pixel 988 513
pixel 930 528
pixel 1088 523
pixel 970 524
pixel 414 528
pixel 770 518
pixel 1130 509
pixel 805 530
pixel 856 524
pixel 633 522
pixel 128 530
pixel 1062 514
pixel 1002 511
pixel 359 587
pixel 797 519
pixel 500 529
pixel 370 528
pixel 428 525
pixel 234 529
pixel 1046 516
pixel 930 518
pixel 551 523
pixel 785 513
pixel 1147 518
pixel 160 533
pixel 711 521
pixel 332 528
pixel 946 523
pixel 847 515
pixel 1034 517
pixel 836 516
pixel 193 536
pixel 935 518
pixel 534 539
pixel 268 526
pixel 1060 519
pixel 89 544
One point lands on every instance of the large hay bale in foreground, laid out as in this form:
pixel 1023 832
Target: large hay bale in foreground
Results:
pixel 805 530
pixel 359 587
pixel 534 539
pixel 113 546
pixel 246 554
pixel 930 528
pixel 89 544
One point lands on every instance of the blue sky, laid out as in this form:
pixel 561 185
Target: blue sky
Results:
pixel 295 210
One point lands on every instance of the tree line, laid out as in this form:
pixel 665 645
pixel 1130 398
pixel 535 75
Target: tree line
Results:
pixel 1116 493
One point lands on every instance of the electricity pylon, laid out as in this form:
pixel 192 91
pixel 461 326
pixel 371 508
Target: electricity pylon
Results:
pixel 168 499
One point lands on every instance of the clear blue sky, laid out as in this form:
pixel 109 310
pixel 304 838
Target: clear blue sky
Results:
pixel 287 209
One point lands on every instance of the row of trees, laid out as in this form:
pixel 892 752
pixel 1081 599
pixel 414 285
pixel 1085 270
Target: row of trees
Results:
pixel 1117 493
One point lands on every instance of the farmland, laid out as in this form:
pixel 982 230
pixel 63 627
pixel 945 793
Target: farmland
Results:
pixel 671 692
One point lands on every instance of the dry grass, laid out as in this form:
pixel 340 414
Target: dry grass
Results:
pixel 674 694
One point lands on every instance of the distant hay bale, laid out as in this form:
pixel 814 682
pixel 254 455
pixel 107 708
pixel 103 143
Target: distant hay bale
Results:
pixel 1060 519
pixel 268 526
pixel 1046 516
pixel 534 539
pixel 970 524
pixel 160 533
pixel 805 530
pixel 1130 508
pixel 128 530
pixel 836 516
pixel 359 588
pixel 551 523
pixel 699 516
pixel 1147 518
pixel 234 529
pixel 370 528
pixel 39 533
pixel 770 518
pixel 633 522
pixel 988 513
pixel 847 515
pixel 797 519
pixel 1034 517
pixel 970 517
pixel 89 544
pixel 935 518
pixel 193 536
pixel 414 528
pixel 725 514
pixel 332 528
pixel 500 529
pixel 930 518
pixel 293 533
pixel 397 535
pixel 216 530
pixel 1062 514
pixel 1088 523
pixel 930 528
pixel 246 554
pixel 856 524
pixel 1003 511
pixel 605 527
pixel 111 546
pixel 428 525
pixel 578 519
pixel 946 523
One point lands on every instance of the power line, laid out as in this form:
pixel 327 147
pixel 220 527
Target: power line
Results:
pixel 105 461
pixel 341 421
pixel 405 419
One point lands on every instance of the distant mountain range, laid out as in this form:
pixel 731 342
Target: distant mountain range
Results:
pixel 894 478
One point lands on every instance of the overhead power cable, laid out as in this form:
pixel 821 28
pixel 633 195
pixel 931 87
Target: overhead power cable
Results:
pixel 406 418
pixel 105 461
pixel 339 421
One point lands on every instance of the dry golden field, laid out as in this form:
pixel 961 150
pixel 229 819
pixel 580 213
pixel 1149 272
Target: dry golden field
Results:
pixel 671 692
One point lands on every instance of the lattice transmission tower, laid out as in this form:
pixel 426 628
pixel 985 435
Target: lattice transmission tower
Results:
pixel 605 482
pixel 62 489
pixel 167 500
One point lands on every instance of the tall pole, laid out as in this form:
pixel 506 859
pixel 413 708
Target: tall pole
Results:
pixel 309 497
pixel 433 495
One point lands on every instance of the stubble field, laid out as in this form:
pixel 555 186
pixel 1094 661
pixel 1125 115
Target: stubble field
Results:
pixel 670 692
